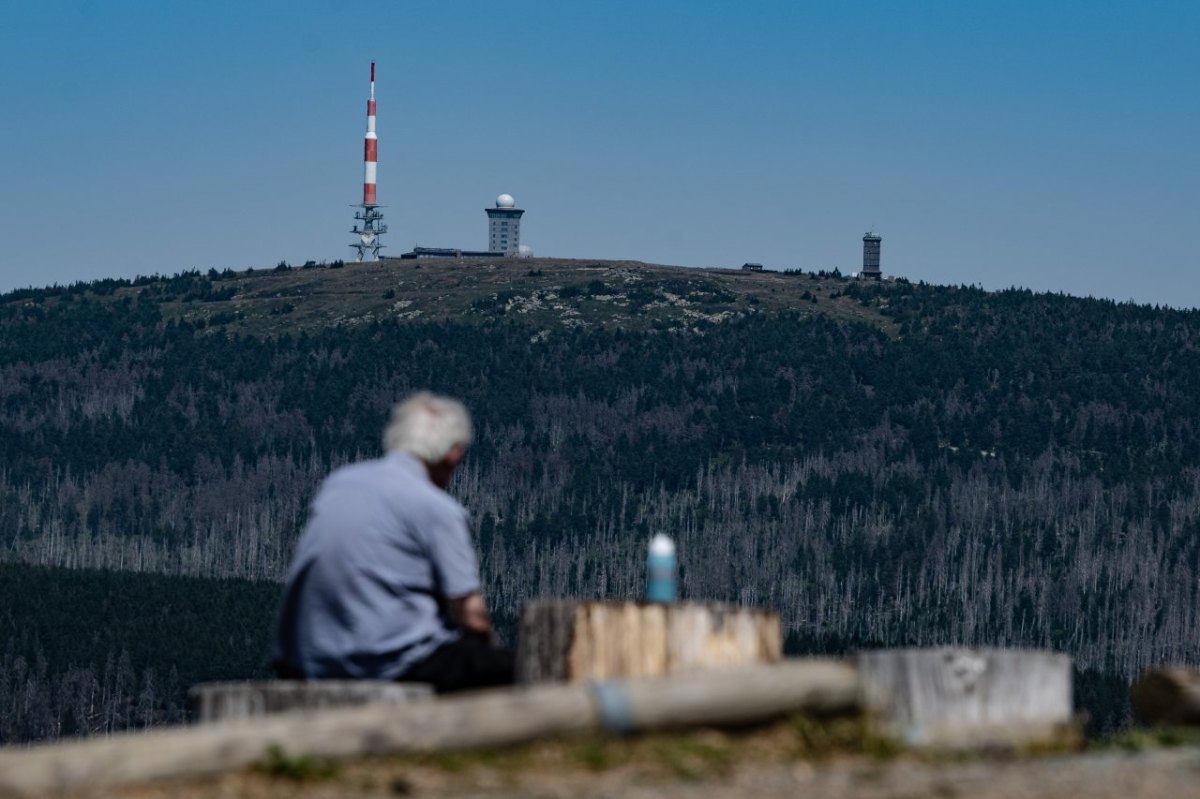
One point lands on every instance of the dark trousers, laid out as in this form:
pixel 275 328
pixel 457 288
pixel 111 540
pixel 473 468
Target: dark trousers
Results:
pixel 469 662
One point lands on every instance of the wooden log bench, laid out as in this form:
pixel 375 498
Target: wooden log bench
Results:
pixel 954 697
pixel 489 718
pixel 234 701
pixel 578 641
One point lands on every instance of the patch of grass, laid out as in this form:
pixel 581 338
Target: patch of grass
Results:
pixel 709 752
pixel 1066 739
pixel 694 757
pixel 449 762
pixel 594 755
pixel 817 738
pixel 298 768
pixel 503 760
pixel 690 755
pixel 1140 739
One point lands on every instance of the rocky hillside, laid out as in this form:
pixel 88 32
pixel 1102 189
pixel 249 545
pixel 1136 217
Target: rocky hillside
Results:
pixel 546 294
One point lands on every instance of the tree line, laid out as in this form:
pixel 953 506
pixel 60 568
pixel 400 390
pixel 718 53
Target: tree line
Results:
pixel 1004 468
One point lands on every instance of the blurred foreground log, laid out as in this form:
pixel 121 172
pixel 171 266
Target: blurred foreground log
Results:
pixel 962 698
pixel 486 718
pixel 231 701
pixel 1167 696
pixel 572 641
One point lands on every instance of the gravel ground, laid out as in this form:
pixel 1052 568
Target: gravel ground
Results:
pixel 1108 776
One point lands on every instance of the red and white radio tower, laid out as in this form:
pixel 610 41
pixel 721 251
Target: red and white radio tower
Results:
pixel 370 217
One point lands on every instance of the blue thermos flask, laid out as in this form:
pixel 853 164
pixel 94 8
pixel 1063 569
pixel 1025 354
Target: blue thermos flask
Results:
pixel 661 570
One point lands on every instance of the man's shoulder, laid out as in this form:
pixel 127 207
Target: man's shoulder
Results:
pixel 435 500
pixel 359 472
pixel 445 503
pixel 399 476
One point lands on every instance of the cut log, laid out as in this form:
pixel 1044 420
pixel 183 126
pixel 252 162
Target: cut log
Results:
pixel 573 641
pixel 963 698
pixel 231 701
pixel 485 718
pixel 1167 696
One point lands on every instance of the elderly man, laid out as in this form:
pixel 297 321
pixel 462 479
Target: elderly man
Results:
pixel 385 583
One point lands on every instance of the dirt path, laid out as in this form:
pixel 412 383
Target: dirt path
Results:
pixel 785 761
pixel 1108 776
pixel 1115 775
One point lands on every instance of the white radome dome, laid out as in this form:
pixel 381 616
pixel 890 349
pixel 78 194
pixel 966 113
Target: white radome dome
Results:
pixel 524 251
pixel 505 201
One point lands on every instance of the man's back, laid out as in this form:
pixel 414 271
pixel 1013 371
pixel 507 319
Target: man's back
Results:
pixel 383 549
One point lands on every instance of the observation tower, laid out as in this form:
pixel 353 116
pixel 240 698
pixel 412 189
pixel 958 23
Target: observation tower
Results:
pixel 504 226
pixel 871 244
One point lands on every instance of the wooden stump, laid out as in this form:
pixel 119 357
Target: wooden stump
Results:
pixel 231 701
pixel 960 698
pixel 1167 696
pixel 575 641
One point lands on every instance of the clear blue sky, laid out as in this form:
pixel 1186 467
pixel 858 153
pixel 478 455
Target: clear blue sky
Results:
pixel 1048 145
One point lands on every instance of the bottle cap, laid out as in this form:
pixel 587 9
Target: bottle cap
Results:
pixel 662 545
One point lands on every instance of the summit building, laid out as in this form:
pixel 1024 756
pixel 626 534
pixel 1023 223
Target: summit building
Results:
pixel 504 226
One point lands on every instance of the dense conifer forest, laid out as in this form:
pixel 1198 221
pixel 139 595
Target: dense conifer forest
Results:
pixel 889 463
pixel 85 652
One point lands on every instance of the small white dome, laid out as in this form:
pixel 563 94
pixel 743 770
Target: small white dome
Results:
pixel 525 251
pixel 505 201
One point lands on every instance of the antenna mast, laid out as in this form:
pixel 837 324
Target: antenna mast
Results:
pixel 371 219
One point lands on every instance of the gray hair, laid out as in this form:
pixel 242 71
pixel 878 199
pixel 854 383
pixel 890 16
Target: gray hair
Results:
pixel 428 427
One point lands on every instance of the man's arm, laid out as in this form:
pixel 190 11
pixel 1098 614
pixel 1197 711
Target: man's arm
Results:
pixel 471 614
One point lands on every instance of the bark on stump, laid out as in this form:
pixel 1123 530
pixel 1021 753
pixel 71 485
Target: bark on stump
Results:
pixel 574 641
pixel 1167 696
pixel 231 701
pixel 963 698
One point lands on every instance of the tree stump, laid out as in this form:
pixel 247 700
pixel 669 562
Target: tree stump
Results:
pixel 1167 696
pixel 574 641
pixel 231 701
pixel 959 698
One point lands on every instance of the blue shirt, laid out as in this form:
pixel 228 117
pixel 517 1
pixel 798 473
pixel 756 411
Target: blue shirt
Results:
pixel 383 549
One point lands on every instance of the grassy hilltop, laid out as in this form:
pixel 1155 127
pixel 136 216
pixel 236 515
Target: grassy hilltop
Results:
pixel 545 293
